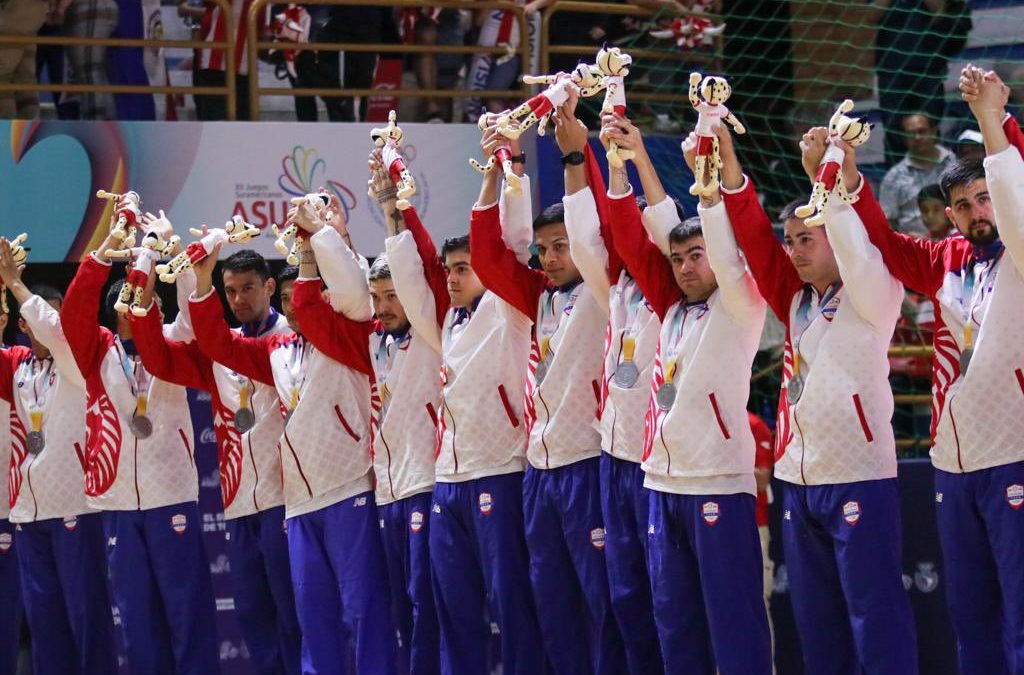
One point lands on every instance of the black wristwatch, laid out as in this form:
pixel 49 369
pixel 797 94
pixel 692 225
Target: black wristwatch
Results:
pixel 518 159
pixel 574 158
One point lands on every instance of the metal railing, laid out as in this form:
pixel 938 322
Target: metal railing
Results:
pixel 639 54
pixel 227 46
pixel 256 45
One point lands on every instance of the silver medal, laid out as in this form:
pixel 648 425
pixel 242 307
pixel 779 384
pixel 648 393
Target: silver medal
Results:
pixel 795 388
pixel 35 442
pixel 541 372
pixel 626 374
pixel 141 426
pixel 666 396
pixel 966 360
pixel 244 420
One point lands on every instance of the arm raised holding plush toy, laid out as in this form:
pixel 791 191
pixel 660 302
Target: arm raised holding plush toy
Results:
pixel 235 231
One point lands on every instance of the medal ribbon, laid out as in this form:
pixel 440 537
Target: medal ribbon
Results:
pixel 804 318
pixel 138 379
pixel 977 283
pixel 633 307
pixel 40 399
pixel 296 375
pixel 675 335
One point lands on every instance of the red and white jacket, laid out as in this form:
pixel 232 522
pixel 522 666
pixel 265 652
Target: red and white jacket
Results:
pixel 213 28
pixel 840 429
pixel 405 368
pixel 325 446
pixel 124 472
pixel 977 419
pixel 484 352
pixel 52 483
pixel 6 439
pixel 562 409
pixel 592 247
pixel 250 462
pixel 703 444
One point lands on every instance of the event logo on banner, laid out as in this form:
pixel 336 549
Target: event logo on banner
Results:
pixel 203 173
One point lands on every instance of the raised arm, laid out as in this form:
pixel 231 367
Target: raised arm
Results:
pixel 181 328
pixel 916 263
pixel 181 363
pixel 1004 167
pixel 80 313
pixel 339 337
pixel 737 287
pixel 248 356
pixel 41 317
pixel 342 271
pixel 587 244
pixel 652 270
pixel 875 295
pixel 44 321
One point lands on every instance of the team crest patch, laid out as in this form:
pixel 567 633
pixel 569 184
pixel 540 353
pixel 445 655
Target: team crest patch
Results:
pixel 597 538
pixel 5 542
pixel 179 522
pixel 851 512
pixel 416 521
pixel 829 310
pixel 486 503
pixel 711 512
pixel 1015 495
pixel 70 523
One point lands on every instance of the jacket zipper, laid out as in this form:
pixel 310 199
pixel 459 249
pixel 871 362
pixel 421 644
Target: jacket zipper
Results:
pixel 298 464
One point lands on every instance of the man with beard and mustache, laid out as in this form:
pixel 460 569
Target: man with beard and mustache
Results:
pixel 978 378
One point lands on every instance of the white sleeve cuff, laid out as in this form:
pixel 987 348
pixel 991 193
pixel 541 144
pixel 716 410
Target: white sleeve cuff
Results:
pixel 741 188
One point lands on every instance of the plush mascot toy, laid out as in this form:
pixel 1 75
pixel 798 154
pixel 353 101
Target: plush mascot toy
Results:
pixel 235 231
pixel 586 76
pixel 853 131
pixel 129 213
pixel 511 125
pixel 156 244
pixel 502 155
pixel 389 139
pixel 319 201
pixel 614 66
pixel 708 97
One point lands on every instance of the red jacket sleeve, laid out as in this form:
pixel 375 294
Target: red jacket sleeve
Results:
pixel 181 363
pixel 764 457
pixel 496 265
pixel 1013 133
pixel 595 180
pixel 79 315
pixel 651 269
pixel 433 266
pixel 9 360
pixel 917 263
pixel 248 356
pixel 775 275
pixel 340 338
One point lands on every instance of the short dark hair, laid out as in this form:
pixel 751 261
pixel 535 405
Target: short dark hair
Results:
pixel 289 273
pixel 246 260
pixel 111 299
pixel 47 293
pixel 552 215
pixel 789 210
pixel 380 269
pixel 453 244
pixel 641 203
pixel 933 121
pixel 687 229
pixel 932 191
pixel 960 173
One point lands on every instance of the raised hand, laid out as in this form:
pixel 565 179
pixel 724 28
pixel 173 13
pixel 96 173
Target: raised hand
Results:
pixel 812 148
pixel 570 132
pixel 984 92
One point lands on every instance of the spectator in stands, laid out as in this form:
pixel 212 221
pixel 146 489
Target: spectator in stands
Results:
pixel 932 206
pixel 18 62
pixel 420 26
pixel 970 147
pixel 1012 75
pixel 51 64
pixel 924 161
pixel 93 19
pixel 212 62
pixel 914 43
